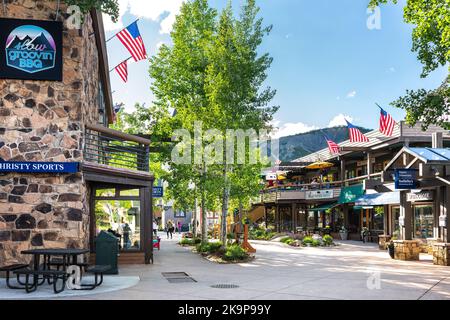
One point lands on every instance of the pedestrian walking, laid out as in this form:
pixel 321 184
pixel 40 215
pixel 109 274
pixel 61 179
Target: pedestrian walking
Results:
pixel 170 229
pixel 179 226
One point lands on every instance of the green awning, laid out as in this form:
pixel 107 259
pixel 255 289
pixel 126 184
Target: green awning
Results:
pixel 324 207
pixel 350 194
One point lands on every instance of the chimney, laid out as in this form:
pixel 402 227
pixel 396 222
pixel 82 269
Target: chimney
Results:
pixel 437 139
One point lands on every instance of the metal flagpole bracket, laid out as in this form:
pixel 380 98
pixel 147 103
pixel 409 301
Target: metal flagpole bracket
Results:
pixel 119 64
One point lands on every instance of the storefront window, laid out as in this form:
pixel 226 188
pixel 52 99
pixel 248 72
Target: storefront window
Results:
pixel 378 221
pixel 396 219
pixel 423 221
pixel 122 217
pixel 311 219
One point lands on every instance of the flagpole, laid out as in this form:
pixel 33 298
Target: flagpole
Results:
pixel 378 106
pixel 121 30
pixel 119 64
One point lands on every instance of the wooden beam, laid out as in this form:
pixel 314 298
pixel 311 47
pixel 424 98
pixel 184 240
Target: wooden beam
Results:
pixel 347 149
pixel 412 163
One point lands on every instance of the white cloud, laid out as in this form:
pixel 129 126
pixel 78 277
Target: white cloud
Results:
pixel 339 120
pixel 289 129
pixel 163 12
pixel 351 94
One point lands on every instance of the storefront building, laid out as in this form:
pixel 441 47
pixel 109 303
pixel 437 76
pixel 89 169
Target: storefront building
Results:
pixel 61 167
pixel 359 198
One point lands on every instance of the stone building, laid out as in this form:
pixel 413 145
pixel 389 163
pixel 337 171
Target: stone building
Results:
pixel 66 122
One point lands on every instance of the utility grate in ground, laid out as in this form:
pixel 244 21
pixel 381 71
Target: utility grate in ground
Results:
pixel 225 286
pixel 177 277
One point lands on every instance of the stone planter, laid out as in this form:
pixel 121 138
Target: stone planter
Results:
pixel 407 250
pixel 441 254
pixel 383 241
pixel 343 235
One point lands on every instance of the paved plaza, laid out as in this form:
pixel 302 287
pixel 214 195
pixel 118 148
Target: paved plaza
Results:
pixel 351 270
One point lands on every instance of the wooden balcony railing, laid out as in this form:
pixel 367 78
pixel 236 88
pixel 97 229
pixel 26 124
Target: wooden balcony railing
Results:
pixel 116 149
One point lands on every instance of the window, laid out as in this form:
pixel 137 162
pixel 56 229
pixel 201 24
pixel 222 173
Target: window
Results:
pixel 396 219
pixel 423 221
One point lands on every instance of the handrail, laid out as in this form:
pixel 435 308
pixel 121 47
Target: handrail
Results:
pixel 320 186
pixel 117 134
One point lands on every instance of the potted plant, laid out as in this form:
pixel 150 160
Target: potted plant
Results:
pixel 391 249
pixel 343 233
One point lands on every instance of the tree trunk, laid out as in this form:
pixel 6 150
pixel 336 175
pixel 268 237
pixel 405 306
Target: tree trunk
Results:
pixel 194 221
pixel 204 214
pixel 223 231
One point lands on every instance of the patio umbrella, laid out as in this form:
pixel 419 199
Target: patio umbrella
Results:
pixel 320 165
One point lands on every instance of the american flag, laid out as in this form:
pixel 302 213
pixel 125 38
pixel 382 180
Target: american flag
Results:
pixel 355 134
pixel 122 70
pixel 132 40
pixel 333 146
pixel 387 123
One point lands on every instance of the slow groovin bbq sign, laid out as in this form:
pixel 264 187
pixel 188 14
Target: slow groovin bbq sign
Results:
pixel 30 49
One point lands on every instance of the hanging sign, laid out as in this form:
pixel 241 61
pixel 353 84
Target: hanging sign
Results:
pixel 405 179
pixel 39 167
pixel 30 49
pixel 158 192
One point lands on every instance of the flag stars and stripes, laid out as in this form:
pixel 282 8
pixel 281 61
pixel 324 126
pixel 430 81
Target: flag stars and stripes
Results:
pixel 355 134
pixel 387 123
pixel 122 70
pixel 132 40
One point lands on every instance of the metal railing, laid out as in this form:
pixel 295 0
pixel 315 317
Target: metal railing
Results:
pixel 116 149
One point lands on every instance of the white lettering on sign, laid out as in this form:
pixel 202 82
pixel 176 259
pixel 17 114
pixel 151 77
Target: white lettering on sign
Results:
pixel 319 194
pixel 420 196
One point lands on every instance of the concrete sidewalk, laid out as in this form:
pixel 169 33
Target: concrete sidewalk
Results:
pixel 351 270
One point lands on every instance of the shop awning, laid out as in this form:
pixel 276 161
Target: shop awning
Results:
pixel 350 194
pixel 324 207
pixel 378 199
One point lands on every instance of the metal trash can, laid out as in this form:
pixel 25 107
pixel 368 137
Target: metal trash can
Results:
pixel 106 251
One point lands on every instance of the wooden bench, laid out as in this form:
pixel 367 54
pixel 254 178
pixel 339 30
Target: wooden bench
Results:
pixel 12 268
pixel 55 275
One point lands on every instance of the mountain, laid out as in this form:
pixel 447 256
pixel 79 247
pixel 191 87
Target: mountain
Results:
pixel 17 41
pixel 299 145
pixel 41 41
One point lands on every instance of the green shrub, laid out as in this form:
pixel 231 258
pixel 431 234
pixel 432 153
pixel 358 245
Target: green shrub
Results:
pixel 210 247
pixel 190 242
pixel 290 241
pixel 327 240
pixel 307 240
pixel 315 243
pixel 235 253
pixel 285 239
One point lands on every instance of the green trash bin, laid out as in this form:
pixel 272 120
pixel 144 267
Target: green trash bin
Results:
pixel 106 251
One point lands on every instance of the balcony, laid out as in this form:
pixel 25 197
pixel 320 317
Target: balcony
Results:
pixel 109 148
pixel 303 192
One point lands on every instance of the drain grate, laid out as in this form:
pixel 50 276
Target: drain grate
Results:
pixel 225 286
pixel 180 280
pixel 177 277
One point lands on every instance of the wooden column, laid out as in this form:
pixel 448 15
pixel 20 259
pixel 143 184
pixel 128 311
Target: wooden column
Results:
pixel 386 224
pixel 369 164
pixel 343 172
pixel 345 211
pixel 438 211
pixel 277 218
pixel 405 215
pixel 146 199
pixel 293 214
pixel 445 233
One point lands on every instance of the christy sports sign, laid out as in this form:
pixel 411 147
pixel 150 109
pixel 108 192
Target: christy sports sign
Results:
pixel 30 49
pixel 39 167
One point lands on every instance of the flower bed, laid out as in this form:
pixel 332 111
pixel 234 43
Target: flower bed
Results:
pixel 214 251
pixel 308 241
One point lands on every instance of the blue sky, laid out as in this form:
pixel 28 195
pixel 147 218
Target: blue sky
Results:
pixel 327 63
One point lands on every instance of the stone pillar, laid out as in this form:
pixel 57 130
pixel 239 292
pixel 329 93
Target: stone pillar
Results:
pixel 406 216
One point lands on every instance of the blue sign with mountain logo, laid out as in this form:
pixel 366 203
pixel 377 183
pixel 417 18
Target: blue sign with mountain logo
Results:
pixel 31 49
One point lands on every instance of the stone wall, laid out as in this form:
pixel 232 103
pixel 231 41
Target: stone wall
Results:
pixel 43 121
